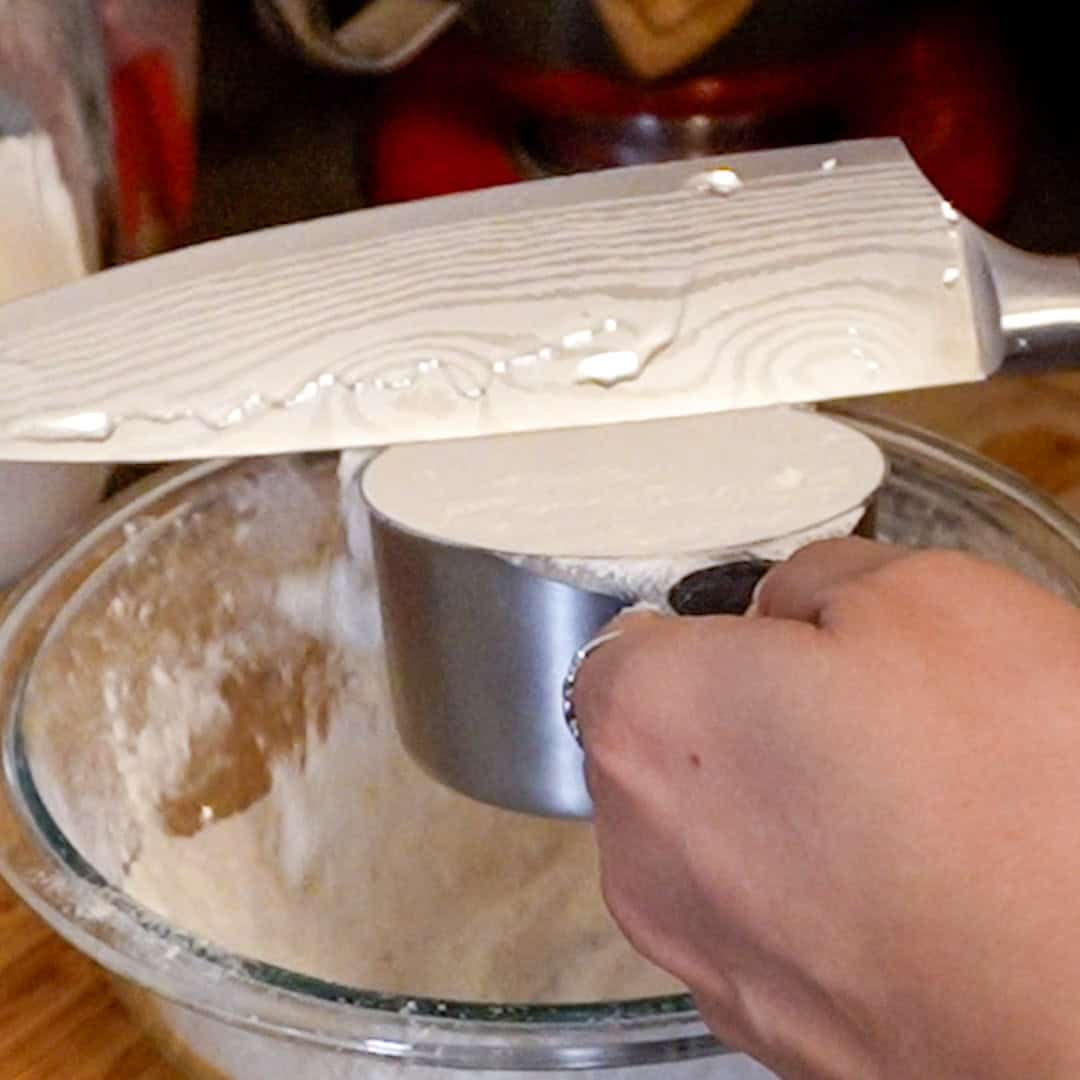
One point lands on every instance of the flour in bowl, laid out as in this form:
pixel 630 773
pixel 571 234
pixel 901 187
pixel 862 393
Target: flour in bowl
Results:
pixel 239 773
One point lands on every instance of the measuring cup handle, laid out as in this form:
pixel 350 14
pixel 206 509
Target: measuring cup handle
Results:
pixel 381 37
pixel 727 589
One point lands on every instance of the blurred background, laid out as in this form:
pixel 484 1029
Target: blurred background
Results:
pixel 982 93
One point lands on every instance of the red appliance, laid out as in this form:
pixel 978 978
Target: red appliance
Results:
pixel 458 119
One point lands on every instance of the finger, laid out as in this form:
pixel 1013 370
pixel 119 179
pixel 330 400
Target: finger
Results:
pixel 627 641
pixel 668 673
pixel 797 589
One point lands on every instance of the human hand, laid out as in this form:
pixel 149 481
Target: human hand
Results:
pixel 851 824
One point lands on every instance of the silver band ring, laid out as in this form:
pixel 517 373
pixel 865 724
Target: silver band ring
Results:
pixel 579 658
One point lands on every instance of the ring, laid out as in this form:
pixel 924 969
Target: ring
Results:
pixel 579 658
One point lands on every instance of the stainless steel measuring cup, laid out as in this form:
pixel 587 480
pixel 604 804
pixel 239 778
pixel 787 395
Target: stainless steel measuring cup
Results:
pixel 479 648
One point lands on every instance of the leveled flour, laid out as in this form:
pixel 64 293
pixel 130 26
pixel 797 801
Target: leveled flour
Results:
pixel 632 491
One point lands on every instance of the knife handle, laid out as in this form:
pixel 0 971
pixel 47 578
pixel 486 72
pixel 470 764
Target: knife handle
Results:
pixel 1038 304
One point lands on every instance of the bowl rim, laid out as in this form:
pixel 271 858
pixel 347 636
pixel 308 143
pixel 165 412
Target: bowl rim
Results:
pixel 52 878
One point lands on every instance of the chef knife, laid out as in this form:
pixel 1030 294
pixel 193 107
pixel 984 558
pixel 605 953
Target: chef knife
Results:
pixel 793 275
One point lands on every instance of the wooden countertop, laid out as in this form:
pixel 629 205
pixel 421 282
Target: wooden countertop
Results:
pixel 59 1020
pixel 1032 425
pixel 58 1017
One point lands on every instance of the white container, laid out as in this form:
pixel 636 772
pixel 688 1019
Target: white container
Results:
pixel 38 505
pixel 47 239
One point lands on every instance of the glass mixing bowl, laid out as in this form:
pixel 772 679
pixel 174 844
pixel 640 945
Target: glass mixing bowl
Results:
pixel 189 669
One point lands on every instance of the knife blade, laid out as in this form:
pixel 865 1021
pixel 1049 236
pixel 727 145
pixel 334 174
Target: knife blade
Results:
pixel 780 276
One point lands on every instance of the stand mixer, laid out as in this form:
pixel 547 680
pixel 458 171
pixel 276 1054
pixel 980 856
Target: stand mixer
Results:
pixel 537 88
